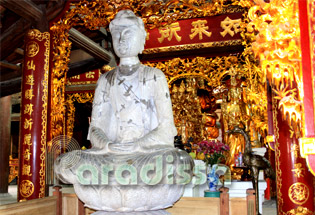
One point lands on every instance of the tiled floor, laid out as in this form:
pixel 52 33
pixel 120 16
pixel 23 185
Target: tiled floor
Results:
pixel 10 197
pixel 269 207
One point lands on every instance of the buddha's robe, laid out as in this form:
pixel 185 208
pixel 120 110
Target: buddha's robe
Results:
pixel 133 109
pixel 130 111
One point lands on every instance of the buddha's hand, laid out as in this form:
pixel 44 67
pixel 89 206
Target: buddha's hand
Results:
pixel 148 148
pixel 123 148
pixel 99 141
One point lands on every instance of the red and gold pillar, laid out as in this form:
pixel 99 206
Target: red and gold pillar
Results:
pixel 33 125
pixel 307 29
pixel 295 190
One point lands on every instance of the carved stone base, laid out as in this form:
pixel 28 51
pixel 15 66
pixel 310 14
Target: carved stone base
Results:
pixel 129 198
pixel 126 183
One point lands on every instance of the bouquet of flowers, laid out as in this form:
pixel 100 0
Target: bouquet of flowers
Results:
pixel 213 151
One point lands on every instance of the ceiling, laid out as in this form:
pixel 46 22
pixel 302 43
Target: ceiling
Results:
pixel 19 16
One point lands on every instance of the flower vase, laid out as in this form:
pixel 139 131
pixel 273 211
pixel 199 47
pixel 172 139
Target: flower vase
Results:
pixel 212 181
pixel 212 177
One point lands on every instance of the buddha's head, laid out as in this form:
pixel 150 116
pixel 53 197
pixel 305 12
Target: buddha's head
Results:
pixel 128 34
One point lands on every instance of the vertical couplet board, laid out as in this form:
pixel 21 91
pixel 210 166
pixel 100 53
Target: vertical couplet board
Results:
pixel 33 126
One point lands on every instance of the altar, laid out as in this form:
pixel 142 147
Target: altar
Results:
pixel 236 188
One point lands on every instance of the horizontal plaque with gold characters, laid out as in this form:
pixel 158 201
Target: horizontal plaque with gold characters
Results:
pixel 205 30
pixel 90 77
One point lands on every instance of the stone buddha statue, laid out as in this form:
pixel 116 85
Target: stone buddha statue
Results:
pixel 132 165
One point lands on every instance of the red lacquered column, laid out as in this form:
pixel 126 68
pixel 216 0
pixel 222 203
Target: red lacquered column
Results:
pixel 295 191
pixel 33 127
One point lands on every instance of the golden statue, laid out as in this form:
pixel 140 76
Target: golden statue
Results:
pixel 210 129
pixel 234 114
pixel 187 111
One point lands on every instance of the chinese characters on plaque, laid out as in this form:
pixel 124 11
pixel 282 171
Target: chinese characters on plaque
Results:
pixel 86 78
pixel 197 30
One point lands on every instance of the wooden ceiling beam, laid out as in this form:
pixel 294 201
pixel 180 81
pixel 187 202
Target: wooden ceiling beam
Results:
pixel 19 51
pixel 8 42
pixel 54 10
pixel 9 66
pixel 90 46
pixel 2 9
pixel 10 87
pixel 15 56
pixel 9 71
pixel 10 75
pixel 24 8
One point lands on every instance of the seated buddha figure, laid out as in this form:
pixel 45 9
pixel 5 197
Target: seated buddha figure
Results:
pixel 132 164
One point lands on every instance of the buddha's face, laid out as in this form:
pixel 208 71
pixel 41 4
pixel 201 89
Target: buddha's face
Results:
pixel 127 41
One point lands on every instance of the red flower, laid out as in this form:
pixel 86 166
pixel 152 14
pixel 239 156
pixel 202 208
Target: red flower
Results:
pixel 213 150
